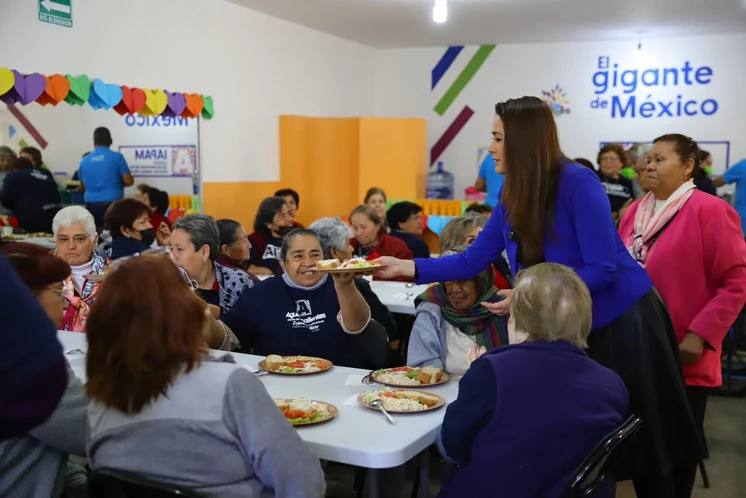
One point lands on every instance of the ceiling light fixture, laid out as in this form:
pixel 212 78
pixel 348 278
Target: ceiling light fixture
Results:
pixel 440 11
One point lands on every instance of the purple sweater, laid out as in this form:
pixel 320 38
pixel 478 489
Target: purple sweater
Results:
pixel 582 236
pixel 525 417
pixel 32 366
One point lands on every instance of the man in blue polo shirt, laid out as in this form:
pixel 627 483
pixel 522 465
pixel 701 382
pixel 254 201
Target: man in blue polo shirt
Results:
pixel 104 174
pixel 489 181
pixel 736 174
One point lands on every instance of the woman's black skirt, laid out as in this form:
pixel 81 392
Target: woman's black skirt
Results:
pixel 641 347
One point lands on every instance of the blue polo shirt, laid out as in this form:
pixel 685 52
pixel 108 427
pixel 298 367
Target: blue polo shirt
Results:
pixel 101 173
pixel 492 178
pixel 737 174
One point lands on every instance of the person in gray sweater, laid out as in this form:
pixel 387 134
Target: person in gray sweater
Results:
pixel 163 409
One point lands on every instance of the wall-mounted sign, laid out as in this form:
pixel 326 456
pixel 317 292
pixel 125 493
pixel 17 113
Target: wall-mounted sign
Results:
pixel 651 92
pixel 59 12
pixel 161 160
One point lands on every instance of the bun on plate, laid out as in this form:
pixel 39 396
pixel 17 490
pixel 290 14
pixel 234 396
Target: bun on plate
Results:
pixel 429 375
pixel 327 264
pixel 272 362
pixel 423 398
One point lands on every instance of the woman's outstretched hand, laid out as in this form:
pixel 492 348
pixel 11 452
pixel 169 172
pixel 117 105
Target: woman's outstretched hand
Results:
pixel 501 307
pixel 393 267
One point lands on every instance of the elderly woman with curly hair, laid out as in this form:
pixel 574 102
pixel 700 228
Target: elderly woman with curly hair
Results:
pixel 75 238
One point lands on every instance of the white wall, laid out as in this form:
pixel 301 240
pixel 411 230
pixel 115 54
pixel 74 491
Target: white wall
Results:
pixel 256 67
pixel 402 86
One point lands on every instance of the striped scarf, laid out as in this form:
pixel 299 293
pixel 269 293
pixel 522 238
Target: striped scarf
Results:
pixel 489 330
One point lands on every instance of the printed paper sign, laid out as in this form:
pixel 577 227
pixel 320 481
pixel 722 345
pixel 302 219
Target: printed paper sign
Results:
pixel 161 160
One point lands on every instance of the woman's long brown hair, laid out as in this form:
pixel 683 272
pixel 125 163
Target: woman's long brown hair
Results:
pixel 532 159
pixel 144 329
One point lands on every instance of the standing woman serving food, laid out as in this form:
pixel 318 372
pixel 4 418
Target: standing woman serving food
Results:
pixel 553 210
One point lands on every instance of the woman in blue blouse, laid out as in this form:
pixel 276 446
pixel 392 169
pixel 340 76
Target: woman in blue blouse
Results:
pixel 554 210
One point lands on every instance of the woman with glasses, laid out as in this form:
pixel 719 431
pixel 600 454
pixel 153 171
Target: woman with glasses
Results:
pixel 75 239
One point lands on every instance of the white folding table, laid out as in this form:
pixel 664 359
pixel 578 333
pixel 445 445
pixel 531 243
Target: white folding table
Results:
pixel 398 297
pixel 357 436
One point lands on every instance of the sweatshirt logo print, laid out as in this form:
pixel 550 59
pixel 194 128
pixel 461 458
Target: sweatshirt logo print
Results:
pixel 271 252
pixel 303 317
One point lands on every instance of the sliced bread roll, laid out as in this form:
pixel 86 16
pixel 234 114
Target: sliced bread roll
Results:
pixel 327 264
pixel 424 398
pixel 272 362
pixel 429 375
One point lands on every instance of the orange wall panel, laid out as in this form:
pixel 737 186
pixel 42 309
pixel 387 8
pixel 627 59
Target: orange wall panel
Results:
pixel 331 162
pixel 318 158
pixel 393 156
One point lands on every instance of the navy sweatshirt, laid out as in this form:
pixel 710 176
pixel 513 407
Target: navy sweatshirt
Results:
pixel 274 318
pixel 33 197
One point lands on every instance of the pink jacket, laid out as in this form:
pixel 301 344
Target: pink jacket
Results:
pixel 698 265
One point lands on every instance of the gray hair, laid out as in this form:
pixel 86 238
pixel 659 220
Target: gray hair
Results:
pixel 72 215
pixel 333 234
pixel 454 233
pixel 551 303
pixel 203 231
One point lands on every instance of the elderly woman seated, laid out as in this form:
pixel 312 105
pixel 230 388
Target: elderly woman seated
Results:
pixel 195 247
pixel 163 409
pixel 335 241
pixel 34 464
pixel 451 327
pixel 531 412
pixel 308 312
pixel 75 238
pixel 462 231
pixel 128 220
pixel 235 247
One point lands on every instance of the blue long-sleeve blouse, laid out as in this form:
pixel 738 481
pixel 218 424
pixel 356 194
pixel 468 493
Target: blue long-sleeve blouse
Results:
pixel 582 236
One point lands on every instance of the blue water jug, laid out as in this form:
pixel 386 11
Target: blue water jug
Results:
pixel 440 183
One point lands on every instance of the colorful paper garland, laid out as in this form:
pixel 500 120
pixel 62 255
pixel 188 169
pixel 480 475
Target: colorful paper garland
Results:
pixel 19 88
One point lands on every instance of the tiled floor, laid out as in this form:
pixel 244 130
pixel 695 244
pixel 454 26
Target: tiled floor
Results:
pixel 725 426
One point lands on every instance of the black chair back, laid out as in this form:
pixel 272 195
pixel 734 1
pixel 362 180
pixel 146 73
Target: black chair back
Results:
pixel 109 484
pixel 595 469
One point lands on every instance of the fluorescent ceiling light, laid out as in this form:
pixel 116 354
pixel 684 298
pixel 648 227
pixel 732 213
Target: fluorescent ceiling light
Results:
pixel 440 11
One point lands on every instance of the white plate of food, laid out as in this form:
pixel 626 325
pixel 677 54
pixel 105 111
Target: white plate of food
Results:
pixel 402 401
pixel 352 265
pixel 300 412
pixel 409 376
pixel 294 365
